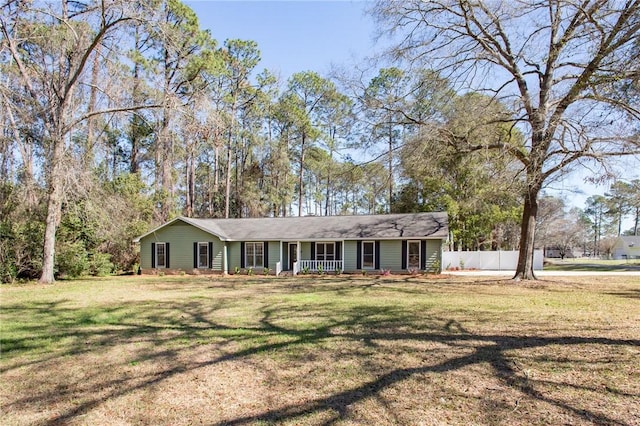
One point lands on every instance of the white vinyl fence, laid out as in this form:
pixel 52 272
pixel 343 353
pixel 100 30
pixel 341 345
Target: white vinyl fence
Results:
pixel 487 260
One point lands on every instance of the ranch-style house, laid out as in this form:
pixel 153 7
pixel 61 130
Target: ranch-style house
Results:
pixel 394 242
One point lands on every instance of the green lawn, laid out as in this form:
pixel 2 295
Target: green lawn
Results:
pixel 594 265
pixel 321 350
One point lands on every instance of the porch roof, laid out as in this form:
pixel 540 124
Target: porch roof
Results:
pixel 356 227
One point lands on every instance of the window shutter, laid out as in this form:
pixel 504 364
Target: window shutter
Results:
pixel 313 251
pixel 423 254
pixel 404 254
pixel 377 254
pixel 166 252
pixel 195 255
pixel 242 260
pixel 210 255
pixel 359 255
pixel 266 254
pixel 338 250
pixel 153 255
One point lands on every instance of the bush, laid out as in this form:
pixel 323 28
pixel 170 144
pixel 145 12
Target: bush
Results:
pixel 101 264
pixel 72 260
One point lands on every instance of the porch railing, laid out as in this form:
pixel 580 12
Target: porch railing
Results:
pixel 317 265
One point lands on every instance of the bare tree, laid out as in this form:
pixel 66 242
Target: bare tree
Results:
pixel 50 47
pixel 556 63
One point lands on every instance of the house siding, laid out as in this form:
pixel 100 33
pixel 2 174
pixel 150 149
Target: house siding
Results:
pixel 391 255
pixel 181 237
pixel 349 253
pixel 234 255
pixel 274 254
pixel 434 255
pixel 305 251
pixel 234 247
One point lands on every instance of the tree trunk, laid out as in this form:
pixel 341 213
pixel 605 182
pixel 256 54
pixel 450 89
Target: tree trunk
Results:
pixel 524 269
pixel 301 177
pixel 54 209
pixel 327 204
pixel 190 183
pixel 227 191
pixel 390 170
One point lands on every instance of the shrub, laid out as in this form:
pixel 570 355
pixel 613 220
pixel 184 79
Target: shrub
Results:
pixel 72 260
pixel 100 264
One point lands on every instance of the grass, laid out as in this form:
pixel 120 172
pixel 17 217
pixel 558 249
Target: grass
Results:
pixel 592 265
pixel 330 350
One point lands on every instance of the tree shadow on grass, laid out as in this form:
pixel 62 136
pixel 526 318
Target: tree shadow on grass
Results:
pixel 176 327
pixel 629 293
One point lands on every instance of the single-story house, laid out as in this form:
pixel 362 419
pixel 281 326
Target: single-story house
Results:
pixel 395 242
pixel 627 247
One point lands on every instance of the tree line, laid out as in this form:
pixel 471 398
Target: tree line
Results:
pixel 593 229
pixel 119 115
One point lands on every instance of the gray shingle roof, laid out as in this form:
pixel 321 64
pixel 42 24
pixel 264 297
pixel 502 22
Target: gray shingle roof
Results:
pixel 391 226
pixel 631 241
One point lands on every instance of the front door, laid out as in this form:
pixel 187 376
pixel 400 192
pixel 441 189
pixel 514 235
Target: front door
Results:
pixel 293 255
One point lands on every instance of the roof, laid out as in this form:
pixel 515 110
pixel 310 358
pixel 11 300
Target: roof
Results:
pixel 630 240
pixel 357 227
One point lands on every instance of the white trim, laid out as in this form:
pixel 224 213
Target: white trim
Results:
pixel 374 254
pixel 325 244
pixel 419 254
pixel 246 258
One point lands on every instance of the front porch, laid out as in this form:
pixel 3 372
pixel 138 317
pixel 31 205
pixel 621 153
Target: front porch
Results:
pixel 305 266
pixel 311 257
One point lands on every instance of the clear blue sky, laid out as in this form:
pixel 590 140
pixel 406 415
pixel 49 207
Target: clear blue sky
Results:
pixel 293 36
pixel 308 35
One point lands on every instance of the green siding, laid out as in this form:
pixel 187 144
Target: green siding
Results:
pixel 218 249
pixel 234 255
pixel 391 255
pixel 434 255
pixel 274 254
pixel 349 255
pixel 180 237
pixel 305 251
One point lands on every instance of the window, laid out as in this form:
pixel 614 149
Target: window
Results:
pixel 368 254
pixel 413 254
pixel 325 251
pixel 161 255
pixel 254 255
pixel 203 255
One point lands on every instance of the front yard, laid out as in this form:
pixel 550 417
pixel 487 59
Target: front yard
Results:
pixel 321 350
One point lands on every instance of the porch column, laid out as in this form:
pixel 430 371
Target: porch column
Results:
pixel 298 253
pixel 225 260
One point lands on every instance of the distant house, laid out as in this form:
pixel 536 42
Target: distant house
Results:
pixel 627 247
pixel 396 242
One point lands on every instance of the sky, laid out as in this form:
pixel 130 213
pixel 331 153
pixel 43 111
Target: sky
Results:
pixel 293 36
pixel 312 35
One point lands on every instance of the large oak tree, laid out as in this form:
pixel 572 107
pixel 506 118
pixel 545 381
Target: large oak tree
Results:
pixel 559 66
